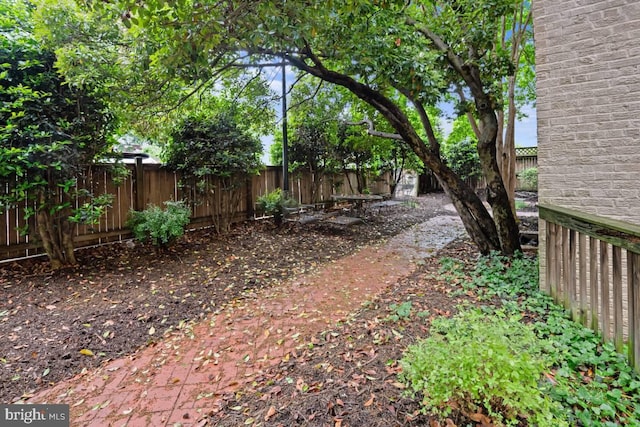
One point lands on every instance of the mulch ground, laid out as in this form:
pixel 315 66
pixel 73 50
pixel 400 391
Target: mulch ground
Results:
pixel 122 297
pixel 347 376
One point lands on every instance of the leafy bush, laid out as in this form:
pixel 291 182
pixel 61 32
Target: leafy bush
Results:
pixel 463 159
pixel 477 362
pixel 594 384
pixel 529 178
pixel 274 204
pixel 160 227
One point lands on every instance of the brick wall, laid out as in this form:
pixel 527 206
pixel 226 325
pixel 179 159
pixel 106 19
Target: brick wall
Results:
pixel 588 88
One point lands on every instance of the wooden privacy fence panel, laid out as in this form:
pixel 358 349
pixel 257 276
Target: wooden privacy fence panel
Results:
pixel 526 158
pixel 152 184
pixel 593 269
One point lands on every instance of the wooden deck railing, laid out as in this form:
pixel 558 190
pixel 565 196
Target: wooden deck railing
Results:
pixel 586 259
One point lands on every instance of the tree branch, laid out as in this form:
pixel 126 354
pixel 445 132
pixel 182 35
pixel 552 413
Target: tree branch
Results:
pixel 469 73
pixel 371 130
pixel 470 117
pixel 434 144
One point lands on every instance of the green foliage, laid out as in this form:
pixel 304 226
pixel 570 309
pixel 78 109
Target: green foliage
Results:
pixel 529 178
pixel 463 159
pixel 213 145
pixel 160 227
pixel 274 204
pixel 399 58
pixel 52 132
pixel 91 212
pixel 594 384
pixel 400 311
pixel 219 145
pixel 479 362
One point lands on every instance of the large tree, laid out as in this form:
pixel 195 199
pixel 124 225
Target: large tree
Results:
pixel 388 53
pixel 52 132
pixel 517 89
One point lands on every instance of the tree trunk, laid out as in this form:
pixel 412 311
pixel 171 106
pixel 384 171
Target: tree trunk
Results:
pixel 497 195
pixel 56 235
pixel 474 215
pixel 509 146
pixel 501 232
pixel 316 184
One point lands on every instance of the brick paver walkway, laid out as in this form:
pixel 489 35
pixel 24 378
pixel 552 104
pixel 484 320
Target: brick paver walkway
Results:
pixel 180 379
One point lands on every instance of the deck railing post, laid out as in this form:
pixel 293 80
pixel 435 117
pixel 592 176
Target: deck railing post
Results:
pixel 633 283
pixel 605 317
pixel 552 284
pixel 593 281
pixel 618 338
pixel 582 249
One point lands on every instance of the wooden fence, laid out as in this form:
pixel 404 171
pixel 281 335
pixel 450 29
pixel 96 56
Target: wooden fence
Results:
pixel 153 184
pixel 149 184
pixel 526 158
pixel 586 260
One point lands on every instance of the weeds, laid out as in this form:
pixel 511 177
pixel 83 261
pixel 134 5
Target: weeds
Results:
pixel 399 311
pixel 591 383
pixel 480 363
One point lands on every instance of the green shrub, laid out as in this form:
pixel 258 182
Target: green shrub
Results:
pixel 480 363
pixel 158 226
pixel 463 159
pixel 594 384
pixel 274 204
pixel 529 178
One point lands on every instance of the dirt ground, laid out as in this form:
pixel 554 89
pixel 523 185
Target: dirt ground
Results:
pixel 122 297
pixel 347 376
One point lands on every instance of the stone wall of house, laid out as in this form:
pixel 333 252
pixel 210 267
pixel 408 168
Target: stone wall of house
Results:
pixel 588 106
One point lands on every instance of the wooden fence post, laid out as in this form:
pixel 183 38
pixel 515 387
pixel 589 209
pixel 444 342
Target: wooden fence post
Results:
pixel 139 185
pixel 249 197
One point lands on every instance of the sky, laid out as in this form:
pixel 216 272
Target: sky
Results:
pixel 526 130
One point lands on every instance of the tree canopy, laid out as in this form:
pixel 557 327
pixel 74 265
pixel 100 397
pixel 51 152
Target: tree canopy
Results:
pixel 397 57
pixel 52 132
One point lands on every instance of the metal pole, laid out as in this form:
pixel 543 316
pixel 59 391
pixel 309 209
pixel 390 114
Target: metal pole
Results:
pixel 285 143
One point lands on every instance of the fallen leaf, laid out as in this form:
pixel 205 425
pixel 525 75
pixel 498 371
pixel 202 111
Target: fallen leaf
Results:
pixel 86 352
pixel 370 401
pixel 270 413
pixel 480 418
